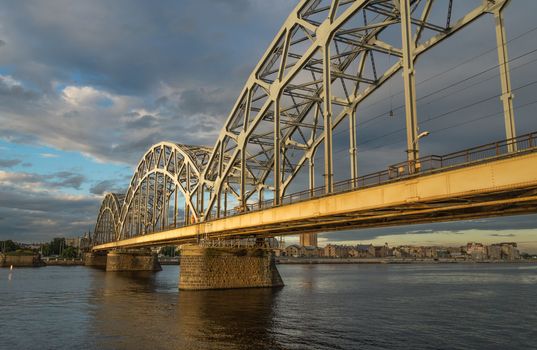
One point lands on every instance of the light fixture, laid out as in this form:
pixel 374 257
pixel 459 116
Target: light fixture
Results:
pixel 423 134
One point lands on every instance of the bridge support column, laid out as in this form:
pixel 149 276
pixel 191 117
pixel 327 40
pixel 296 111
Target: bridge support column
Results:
pixel 227 268
pixel 132 260
pixel 95 259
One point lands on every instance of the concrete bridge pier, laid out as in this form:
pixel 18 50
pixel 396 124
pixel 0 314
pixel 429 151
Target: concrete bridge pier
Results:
pixel 95 259
pixel 132 260
pixel 227 268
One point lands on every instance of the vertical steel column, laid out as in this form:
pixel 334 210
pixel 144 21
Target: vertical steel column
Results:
pixel 327 115
pixel 409 85
pixel 187 206
pixel 139 210
pixel 146 223
pixel 242 193
pixel 220 172
pixel 175 209
pixel 202 202
pixel 277 166
pixel 155 194
pixel 164 218
pixel 311 174
pixel 352 146
pixel 503 63
pixel 225 201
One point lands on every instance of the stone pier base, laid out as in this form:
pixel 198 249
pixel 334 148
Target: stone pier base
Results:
pixel 95 259
pixel 226 268
pixel 21 260
pixel 132 260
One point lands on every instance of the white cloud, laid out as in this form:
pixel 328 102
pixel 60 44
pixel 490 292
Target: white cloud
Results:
pixel 49 155
pixel 87 96
pixel 9 81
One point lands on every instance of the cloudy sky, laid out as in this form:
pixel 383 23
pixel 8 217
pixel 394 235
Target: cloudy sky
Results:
pixel 87 86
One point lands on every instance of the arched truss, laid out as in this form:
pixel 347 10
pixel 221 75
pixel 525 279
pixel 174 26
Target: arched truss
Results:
pixel 327 58
pixel 166 171
pixel 107 226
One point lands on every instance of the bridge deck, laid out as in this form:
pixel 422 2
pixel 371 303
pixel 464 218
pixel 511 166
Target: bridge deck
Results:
pixel 505 186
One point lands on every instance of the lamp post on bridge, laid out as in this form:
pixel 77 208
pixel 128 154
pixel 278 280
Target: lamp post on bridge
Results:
pixel 414 161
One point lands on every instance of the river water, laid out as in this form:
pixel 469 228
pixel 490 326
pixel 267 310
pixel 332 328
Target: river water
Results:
pixel 451 306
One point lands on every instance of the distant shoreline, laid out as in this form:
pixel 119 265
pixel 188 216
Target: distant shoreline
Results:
pixel 308 261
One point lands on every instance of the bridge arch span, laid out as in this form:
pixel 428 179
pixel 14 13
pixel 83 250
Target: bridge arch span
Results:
pixel 326 59
pixel 167 174
pixel 107 227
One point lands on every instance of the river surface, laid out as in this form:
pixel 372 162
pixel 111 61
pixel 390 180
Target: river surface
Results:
pixel 451 306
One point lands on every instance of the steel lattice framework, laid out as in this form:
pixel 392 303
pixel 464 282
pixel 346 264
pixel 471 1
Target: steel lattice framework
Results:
pixel 107 227
pixel 326 59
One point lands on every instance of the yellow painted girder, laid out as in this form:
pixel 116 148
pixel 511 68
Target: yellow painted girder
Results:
pixel 499 176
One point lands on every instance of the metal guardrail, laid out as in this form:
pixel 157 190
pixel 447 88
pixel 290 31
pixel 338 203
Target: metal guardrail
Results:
pixel 521 144
pixel 404 170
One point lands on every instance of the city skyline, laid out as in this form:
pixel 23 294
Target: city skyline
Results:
pixel 62 77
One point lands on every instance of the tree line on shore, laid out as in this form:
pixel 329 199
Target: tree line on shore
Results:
pixel 56 247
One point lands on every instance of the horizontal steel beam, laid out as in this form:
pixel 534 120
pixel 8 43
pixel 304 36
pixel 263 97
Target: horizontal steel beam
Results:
pixel 482 190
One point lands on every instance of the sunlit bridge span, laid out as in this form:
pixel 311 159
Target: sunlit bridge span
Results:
pixel 261 178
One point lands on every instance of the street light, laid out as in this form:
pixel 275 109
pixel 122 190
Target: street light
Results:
pixel 413 164
pixel 423 134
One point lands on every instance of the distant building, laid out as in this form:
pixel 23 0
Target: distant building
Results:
pixel 337 251
pixel 294 250
pixel 476 250
pixel 382 251
pixel 85 242
pixel 362 251
pixel 442 253
pixel 494 252
pixel 308 240
pixel 310 251
pixel 509 251
pixel 73 242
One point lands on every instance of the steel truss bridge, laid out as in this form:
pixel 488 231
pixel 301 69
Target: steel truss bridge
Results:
pixel 323 63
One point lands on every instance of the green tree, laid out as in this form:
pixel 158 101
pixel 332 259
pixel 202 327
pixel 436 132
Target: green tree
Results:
pixel 46 250
pixel 169 250
pixel 69 253
pixel 8 246
pixel 57 245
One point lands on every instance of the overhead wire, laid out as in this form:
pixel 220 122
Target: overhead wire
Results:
pixel 458 109
pixel 459 65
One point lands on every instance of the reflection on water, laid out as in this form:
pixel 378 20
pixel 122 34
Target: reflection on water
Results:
pixel 321 307
pixel 167 318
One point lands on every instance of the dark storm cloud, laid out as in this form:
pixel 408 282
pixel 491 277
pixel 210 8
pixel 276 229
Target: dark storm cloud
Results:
pixel 210 101
pixel 67 179
pixel 131 46
pixel 8 163
pixel 106 186
pixel 62 179
pixel 182 55
pixel 30 211
pixel 143 122
pixel 16 92
pixel 36 216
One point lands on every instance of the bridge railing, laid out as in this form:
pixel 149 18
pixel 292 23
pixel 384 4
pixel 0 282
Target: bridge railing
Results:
pixel 428 164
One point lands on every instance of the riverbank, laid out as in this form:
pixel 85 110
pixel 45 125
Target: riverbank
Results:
pixel 63 262
pixel 20 259
pixel 291 260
